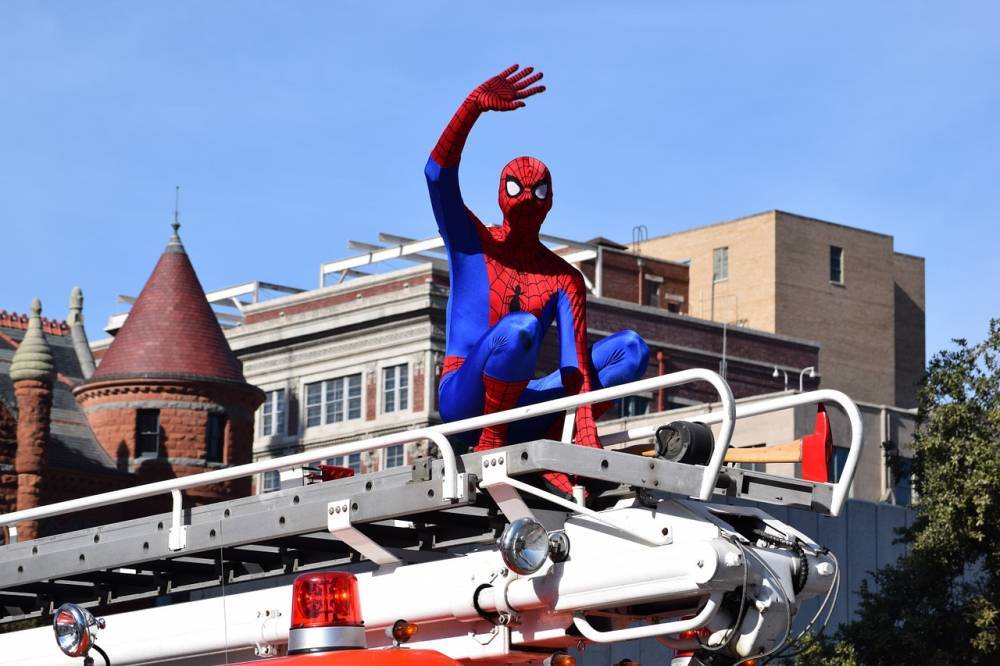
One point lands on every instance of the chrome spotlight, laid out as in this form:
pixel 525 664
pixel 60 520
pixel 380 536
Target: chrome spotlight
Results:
pixel 524 546
pixel 73 627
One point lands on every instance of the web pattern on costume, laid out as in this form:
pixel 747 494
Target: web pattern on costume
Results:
pixel 520 275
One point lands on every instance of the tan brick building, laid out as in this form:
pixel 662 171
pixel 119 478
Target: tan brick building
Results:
pixel 846 288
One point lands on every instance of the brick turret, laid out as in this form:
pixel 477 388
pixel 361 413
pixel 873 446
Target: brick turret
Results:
pixel 169 398
pixel 32 372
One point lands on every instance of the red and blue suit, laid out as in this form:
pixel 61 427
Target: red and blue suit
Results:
pixel 507 289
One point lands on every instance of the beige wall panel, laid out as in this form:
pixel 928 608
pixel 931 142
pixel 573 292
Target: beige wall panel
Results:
pixel 747 296
pixel 853 321
pixel 910 315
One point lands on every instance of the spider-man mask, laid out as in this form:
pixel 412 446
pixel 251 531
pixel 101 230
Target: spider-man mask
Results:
pixel 525 194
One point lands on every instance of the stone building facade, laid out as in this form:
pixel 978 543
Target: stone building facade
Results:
pixel 363 358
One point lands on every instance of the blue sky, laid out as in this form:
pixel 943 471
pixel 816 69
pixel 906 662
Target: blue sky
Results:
pixel 294 126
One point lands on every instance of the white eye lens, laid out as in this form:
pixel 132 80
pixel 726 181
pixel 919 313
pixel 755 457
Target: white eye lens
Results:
pixel 541 190
pixel 513 188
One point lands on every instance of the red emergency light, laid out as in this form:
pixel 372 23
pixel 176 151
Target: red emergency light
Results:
pixel 326 613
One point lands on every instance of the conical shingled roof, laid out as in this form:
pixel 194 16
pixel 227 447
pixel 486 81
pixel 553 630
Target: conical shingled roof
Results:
pixel 171 331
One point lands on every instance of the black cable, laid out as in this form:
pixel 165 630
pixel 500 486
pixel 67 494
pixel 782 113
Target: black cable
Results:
pixel 774 540
pixel 492 618
pixel 802 575
pixel 107 662
pixel 731 633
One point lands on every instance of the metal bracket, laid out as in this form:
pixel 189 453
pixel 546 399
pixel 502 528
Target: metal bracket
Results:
pixel 497 484
pixel 504 491
pixel 496 641
pixel 338 522
pixel 569 422
pixel 266 645
pixel 177 539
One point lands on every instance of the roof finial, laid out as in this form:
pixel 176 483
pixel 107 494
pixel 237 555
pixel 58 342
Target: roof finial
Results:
pixel 175 244
pixel 33 358
pixel 177 209
pixel 75 307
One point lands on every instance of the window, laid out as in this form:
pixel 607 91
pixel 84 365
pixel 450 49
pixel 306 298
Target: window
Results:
pixel 633 405
pixel 838 462
pixel 271 481
pixel 272 421
pixel 652 293
pixel 396 388
pixel 333 400
pixel 720 264
pixel 394 456
pixel 836 264
pixel 902 481
pixel 215 432
pixel 353 461
pixel 147 432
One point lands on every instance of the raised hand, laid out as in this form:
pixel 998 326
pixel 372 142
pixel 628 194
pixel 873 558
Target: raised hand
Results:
pixel 503 92
pixel 506 90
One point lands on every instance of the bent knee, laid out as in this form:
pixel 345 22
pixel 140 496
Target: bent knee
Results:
pixel 636 352
pixel 634 345
pixel 457 401
pixel 520 327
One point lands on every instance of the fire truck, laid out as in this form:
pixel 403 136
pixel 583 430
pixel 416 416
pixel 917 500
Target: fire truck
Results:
pixel 457 558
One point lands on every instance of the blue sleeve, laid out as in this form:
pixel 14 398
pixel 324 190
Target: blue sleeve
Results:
pixel 468 301
pixel 454 223
pixel 567 332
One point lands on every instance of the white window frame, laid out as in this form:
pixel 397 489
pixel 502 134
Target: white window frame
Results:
pixel 720 275
pixel 652 284
pixel 327 406
pixel 351 460
pixel 400 371
pixel 279 426
pixel 840 268
pixel 391 451
pixel 273 474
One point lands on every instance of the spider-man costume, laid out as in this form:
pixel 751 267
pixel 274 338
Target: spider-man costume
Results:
pixel 507 289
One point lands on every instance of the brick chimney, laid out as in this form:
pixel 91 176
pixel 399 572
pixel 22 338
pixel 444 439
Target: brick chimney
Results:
pixel 32 372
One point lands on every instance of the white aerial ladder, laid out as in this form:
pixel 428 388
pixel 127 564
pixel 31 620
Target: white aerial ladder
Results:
pixel 655 557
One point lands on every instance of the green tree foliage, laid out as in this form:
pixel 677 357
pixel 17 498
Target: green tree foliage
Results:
pixel 940 604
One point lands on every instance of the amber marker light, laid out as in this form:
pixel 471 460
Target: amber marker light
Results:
pixel 402 631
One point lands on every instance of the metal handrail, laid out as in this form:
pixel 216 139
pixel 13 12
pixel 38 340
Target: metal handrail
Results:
pixel 437 434
pixel 843 486
pixel 648 630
